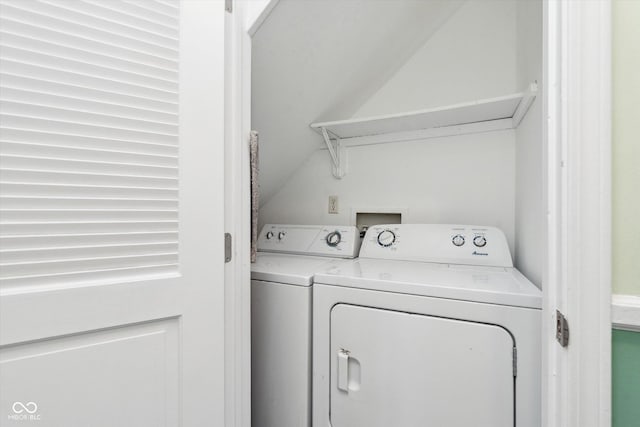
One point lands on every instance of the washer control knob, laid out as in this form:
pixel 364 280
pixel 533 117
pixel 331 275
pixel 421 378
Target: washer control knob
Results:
pixel 333 238
pixel 479 241
pixel 458 240
pixel 269 235
pixel 281 235
pixel 386 238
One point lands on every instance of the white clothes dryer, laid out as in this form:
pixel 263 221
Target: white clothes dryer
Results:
pixel 430 326
pixel 281 279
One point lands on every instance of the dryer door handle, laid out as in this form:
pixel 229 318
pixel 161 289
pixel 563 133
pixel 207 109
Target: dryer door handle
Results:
pixel 343 370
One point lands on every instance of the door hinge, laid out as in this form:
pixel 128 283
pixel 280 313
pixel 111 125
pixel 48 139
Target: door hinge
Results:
pixel 227 247
pixel 228 6
pixel 515 362
pixel 562 329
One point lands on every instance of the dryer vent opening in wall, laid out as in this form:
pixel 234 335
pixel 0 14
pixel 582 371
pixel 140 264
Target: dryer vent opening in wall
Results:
pixel 364 220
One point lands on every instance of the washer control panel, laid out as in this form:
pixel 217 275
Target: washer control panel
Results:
pixel 319 240
pixel 441 243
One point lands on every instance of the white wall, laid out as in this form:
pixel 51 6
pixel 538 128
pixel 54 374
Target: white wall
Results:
pixel 254 10
pixel 317 60
pixel 530 204
pixel 472 56
pixel 463 179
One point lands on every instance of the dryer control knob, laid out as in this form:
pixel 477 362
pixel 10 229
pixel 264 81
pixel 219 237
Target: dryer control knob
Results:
pixel 479 241
pixel 269 235
pixel 281 235
pixel 333 238
pixel 386 238
pixel 458 240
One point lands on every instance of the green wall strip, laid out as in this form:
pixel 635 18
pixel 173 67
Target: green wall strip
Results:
pixel 626 379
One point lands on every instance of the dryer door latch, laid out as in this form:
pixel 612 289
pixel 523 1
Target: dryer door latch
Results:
pixel 562 329
pixel 343 370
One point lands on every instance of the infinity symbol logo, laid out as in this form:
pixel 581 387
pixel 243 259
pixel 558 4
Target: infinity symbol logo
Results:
pixel 19 407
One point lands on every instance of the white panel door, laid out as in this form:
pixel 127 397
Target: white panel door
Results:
pixel 390 368
pixel 111 226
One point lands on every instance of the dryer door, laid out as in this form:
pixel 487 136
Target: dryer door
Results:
pixel 390 368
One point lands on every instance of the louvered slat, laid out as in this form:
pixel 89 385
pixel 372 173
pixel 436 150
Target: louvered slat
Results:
pixel 94 106
pixel 88 141
pixel 55 254
pixel 36 163
pixel 71 76
pixel 82 190
pixel 15 181
pixel 75 90
pixel 12 36
pixel 51 228
pixel 43 124
pixel 64 18
pixel 87 154
pixel 73 240
pixel 61 203
pixel 27 55
pixel 70 140
pixel 35 111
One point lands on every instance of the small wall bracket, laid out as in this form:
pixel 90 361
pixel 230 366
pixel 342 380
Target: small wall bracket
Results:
pixel 528 96
pixel 338 154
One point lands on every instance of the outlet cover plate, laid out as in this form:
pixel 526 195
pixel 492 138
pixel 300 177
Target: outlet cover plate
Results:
pixel 333 204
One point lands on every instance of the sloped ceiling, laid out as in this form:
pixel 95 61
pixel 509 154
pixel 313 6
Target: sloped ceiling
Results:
pixel 316 60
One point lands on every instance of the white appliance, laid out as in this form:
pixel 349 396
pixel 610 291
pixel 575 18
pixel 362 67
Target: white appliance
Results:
pixel 430 326
pixel 288 257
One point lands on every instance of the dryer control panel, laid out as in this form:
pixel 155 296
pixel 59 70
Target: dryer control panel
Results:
pixel 339 241
pixel 441 243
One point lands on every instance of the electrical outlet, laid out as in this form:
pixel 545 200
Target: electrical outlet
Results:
pixel 333 204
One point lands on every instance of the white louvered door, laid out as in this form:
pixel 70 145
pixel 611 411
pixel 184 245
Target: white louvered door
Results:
pixel 111 218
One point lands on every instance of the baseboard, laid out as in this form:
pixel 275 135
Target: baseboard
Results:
pixel 625 312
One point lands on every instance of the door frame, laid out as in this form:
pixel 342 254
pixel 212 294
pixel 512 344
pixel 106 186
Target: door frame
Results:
pixel 237 209
pixel 576 380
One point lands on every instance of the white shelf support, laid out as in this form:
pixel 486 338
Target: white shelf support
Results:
pixel 527 99
pixel 337 154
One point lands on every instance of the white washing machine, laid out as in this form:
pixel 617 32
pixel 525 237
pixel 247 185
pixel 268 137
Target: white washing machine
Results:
pixel 430 326
pixel 282 276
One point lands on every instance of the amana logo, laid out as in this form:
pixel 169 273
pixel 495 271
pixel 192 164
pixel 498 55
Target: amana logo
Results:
pixel 480 253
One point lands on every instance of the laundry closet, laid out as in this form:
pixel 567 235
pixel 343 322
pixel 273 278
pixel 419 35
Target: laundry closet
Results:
pixel 411 112
pixel 319 61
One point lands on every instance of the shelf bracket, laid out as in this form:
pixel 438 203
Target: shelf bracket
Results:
pixel 527 99
pixel 338 154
